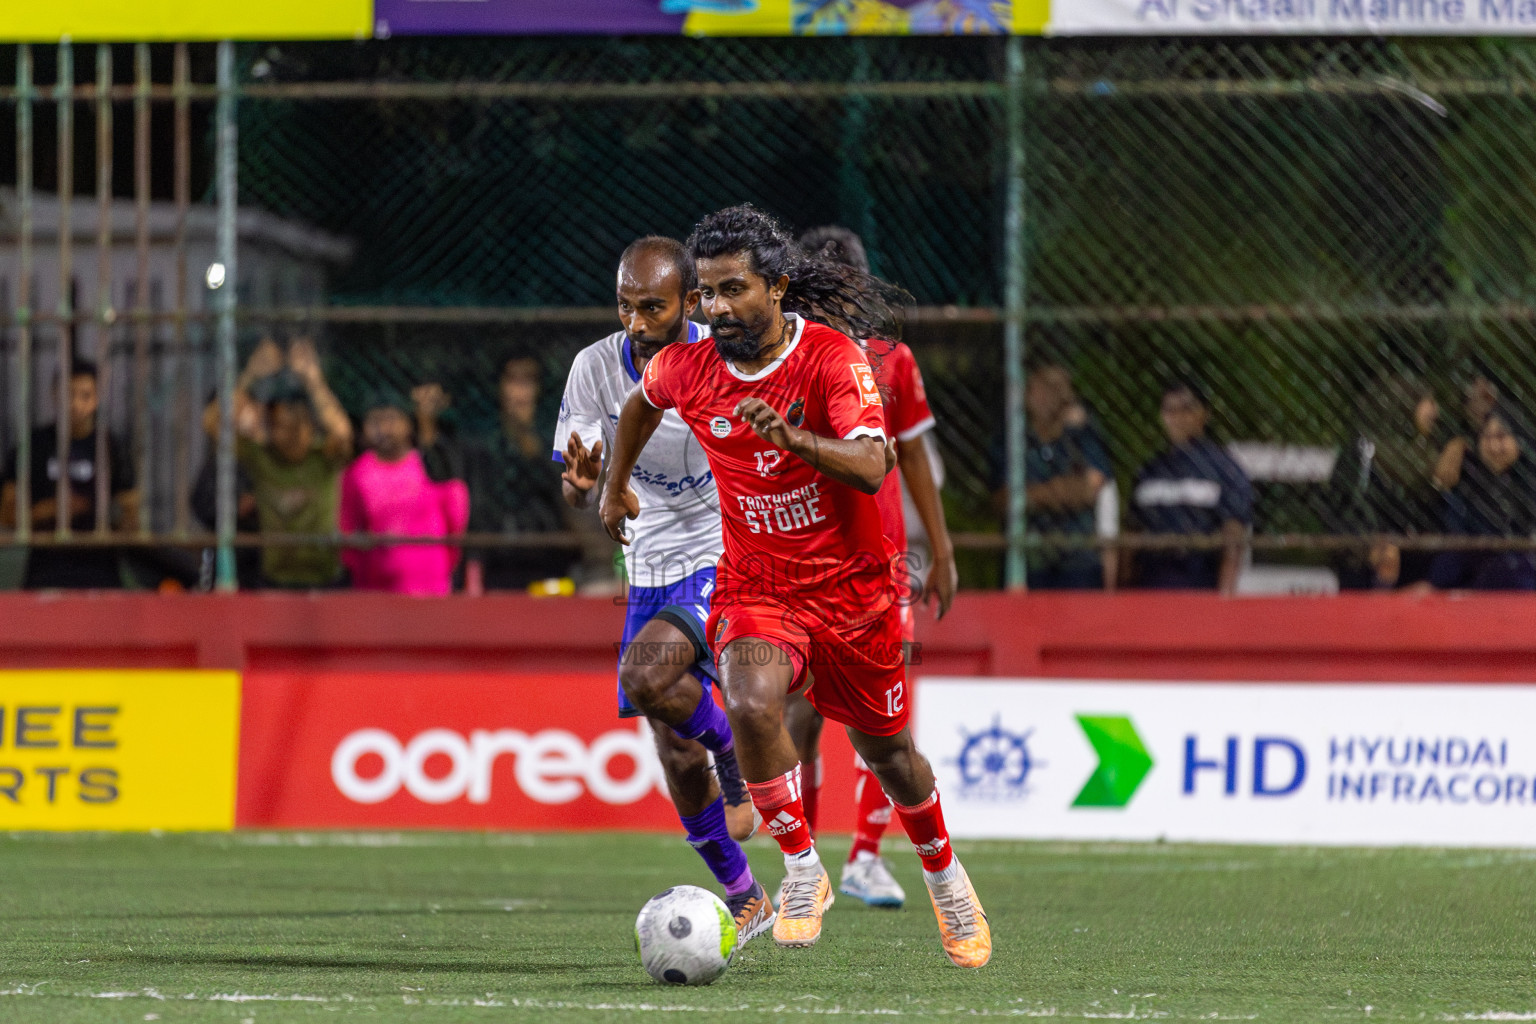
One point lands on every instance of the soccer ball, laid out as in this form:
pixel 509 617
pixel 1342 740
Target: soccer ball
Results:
pixel 685 936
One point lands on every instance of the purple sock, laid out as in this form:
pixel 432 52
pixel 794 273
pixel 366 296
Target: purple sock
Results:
pixel 708 835
pixel 708 725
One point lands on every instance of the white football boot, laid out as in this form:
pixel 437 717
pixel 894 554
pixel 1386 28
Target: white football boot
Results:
pixel 867 878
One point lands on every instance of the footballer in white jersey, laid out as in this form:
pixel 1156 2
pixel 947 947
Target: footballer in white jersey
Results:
pixel 666 671
pixel 677 532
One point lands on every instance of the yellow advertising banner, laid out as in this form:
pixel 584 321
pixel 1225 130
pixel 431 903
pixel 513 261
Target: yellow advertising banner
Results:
pixel 48 21
pixel 118 750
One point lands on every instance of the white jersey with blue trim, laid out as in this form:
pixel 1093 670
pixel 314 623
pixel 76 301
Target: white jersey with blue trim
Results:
pixel 678 530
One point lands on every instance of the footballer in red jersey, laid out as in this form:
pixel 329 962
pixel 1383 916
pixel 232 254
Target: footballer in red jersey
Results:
pixel 790 417
pixel 908 418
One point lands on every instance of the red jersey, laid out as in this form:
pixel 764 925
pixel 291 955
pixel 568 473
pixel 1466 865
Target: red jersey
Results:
pixel 907 417
pixel 790 532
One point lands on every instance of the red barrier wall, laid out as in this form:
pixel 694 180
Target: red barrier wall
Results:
pixel 1489 638
pixel 292 725
pixel 320 668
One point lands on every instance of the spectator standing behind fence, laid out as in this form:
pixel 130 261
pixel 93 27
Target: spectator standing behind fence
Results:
pixel 514 488
pixel 204 505
pixel 1192 488
pixel 1494 496
pixel 1065 468
pixel 1384 482
pixel 76 568
pixel 1480 397
pixel 294 463
pixel 389 490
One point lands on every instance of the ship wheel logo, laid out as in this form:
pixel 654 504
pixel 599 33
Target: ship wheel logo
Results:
pixel 995 764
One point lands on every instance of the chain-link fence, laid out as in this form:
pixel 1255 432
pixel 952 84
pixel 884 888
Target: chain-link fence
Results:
pixel 1326 242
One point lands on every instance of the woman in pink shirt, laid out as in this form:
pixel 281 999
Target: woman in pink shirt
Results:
pixel 387 490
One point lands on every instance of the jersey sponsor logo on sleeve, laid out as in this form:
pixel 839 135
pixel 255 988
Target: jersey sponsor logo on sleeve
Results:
pixel 869 393
pixel 720 426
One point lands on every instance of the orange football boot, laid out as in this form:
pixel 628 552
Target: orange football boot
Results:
pixel 963 929
pixel 803 898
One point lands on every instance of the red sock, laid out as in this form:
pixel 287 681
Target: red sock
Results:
pixel 778 801
pixel 874 812
pixel 925 827
pixel 811 796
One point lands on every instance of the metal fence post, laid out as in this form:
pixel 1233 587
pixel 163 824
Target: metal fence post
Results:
pixel 1013 327
pixel 106 315
pixel 224 297
pixel 142 328
pixel 854 202
pixel 183 386
pixel 24 453
pixel 64 95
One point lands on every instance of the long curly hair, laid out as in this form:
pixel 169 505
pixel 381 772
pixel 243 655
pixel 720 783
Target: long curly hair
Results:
pixel 821 288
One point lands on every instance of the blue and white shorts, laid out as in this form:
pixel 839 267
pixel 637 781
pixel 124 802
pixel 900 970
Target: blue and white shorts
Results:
pixel 684 604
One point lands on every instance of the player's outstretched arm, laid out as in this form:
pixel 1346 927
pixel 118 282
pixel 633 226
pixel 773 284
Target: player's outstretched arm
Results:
pixel 638 420
pixel 859 462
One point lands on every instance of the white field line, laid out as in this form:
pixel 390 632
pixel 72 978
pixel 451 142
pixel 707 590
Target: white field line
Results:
pixel 492 1002
pixel 155 994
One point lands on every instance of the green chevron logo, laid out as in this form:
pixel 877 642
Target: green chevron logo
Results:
pixel 1123 761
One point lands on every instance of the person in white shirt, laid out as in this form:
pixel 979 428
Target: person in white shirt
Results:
pixel 666 671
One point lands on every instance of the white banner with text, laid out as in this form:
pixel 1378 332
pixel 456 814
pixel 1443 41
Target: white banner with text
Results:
pixel 1292 17
pixel 1356 764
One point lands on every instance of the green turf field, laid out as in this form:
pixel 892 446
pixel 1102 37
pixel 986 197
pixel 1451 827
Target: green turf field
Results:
pixel 268 927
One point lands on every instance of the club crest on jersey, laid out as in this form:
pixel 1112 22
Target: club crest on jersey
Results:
pixel 869 394
pixel 796 414
pixel 720 426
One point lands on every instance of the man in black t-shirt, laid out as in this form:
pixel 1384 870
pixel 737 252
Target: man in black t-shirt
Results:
pixel 1192 487
pixel 77 568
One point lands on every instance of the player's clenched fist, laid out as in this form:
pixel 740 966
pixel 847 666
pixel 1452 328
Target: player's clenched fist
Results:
pixel 766 422
pixel 616 507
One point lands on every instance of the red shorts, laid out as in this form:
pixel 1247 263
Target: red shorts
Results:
pixel 860 677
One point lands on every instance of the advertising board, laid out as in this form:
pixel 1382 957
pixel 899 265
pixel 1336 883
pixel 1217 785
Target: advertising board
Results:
pixel 501 750
pixel 709 17
pixel 1357 764
pixel 183 20
pixel 128 750
pixel 1292 17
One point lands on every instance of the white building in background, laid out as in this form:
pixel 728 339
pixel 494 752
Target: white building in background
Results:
pixel 280 263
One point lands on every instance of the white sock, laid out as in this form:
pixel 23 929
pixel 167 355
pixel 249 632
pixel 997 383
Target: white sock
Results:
pixel 803 862
pixel 949 874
